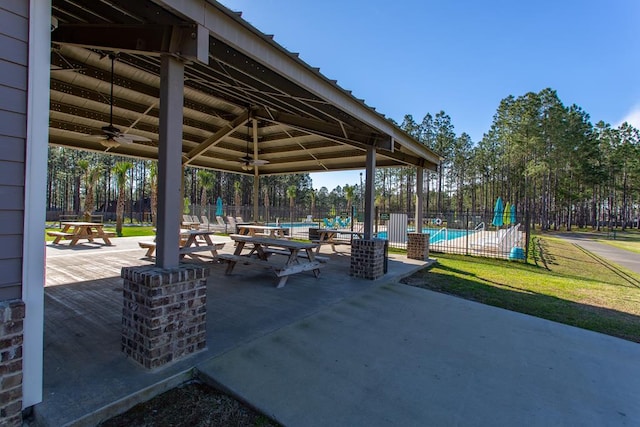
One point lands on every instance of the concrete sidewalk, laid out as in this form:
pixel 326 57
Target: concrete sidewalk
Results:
pixel 627 259
pixel 399 355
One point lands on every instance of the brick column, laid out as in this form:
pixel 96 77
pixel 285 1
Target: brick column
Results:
pixel 367 258
pixel 11 333
pixel 418 246
pixel 164 313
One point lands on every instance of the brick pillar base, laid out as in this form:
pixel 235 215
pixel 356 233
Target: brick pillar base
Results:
pixel 418 246
pixel 164 313
pixel 367 258
pixel 11 336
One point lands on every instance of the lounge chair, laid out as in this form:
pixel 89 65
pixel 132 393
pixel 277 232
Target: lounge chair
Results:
pixel 204 224
pixel 209 226
pixel 501 242
pixel 188 222
pixel 195 222
pixel 309 218
pixel 233 225
pixel 221 223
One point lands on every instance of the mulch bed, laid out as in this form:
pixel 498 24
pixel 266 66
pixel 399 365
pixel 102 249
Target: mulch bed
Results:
pixel 194 405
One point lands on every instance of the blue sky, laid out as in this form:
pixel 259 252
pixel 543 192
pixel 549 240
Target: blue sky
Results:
pixel 463 57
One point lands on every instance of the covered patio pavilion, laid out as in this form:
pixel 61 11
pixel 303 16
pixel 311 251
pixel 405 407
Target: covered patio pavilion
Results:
pixel 87 378
pixel 191 83
pixel 249 106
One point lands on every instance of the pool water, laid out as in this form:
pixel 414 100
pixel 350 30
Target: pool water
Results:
pixel 436 236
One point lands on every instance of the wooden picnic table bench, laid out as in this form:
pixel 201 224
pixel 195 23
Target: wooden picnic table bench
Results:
pixel 263 247
pixel 329 236
pixel 193 244
pixel 261 230
pixel 269 251
pixel 59 234
pixel 75 231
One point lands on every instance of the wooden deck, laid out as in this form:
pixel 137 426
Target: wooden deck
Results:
pixel 84 368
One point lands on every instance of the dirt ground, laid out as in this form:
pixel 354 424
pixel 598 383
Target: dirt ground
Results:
pixel 194 405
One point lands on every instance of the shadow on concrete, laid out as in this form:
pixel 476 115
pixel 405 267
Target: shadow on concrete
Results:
pixel 522 300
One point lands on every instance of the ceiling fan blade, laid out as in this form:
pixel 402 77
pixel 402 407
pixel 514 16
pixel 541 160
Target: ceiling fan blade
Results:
pixel 132 137
pixel 259 162
pixel 122 139
pixel 96 136
pixel 110 143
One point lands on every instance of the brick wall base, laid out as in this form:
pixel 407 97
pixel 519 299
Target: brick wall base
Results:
pixel 164 313
pixel 367 258
pixel 11 336
pixel 418 246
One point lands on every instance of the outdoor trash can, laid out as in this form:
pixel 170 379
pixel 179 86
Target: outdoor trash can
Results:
pixel 313 233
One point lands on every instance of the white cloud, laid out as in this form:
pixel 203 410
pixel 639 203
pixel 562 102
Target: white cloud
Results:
pixel 632 117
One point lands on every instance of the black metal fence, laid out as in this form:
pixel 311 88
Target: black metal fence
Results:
pixel 487 234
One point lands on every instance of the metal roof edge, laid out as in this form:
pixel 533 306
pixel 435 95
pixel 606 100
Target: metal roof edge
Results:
pixel 200 11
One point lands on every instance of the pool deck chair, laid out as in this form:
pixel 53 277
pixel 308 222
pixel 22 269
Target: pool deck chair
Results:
pixel 233 225
pixel 501 242
pixel 210 226
pixel 221 223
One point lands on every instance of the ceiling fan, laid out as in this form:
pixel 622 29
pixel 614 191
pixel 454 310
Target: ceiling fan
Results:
pixel 111 136
pixel 247 161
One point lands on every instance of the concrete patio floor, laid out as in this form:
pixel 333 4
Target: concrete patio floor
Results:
pixel 340 351
pixel 397 355
pixel 88 378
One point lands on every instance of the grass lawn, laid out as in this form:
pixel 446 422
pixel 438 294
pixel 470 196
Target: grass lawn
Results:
pixel 128 230
pixel 562 283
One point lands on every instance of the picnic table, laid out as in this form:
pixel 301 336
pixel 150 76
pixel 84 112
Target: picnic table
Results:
pixel 264 230
pixel 300 256
pixel 329 236
pixel 192 244
pixel 78 230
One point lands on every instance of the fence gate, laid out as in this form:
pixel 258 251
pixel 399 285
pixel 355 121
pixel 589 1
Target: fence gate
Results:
pixel 397 228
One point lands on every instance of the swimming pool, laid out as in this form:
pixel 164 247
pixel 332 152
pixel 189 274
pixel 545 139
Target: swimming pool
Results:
pixel 437 234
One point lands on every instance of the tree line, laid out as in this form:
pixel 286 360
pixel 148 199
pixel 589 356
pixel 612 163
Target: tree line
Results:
pixel 546 158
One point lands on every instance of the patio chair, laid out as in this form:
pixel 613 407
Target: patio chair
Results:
pixel 309 218
pixel 240 219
